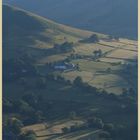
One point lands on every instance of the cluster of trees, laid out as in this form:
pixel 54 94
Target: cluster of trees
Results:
pixel 93 123
pixel 92 39
pixel 127 100
pixel 72 128
pixel 42 82
pixel 57 78
pixel 75 56
pixel 30 101
pixel 109 130
pixel 97 53
pixel 130 92
pixel 29 107
pixel 113 37
pixel 28 135
pixel 105 135
pixel 64 47
pixel 84 87
pixel 13 130
pixel 32 106
pixel 119 131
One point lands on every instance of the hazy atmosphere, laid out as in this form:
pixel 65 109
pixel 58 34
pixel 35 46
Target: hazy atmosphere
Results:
pixel 115 17
pixel 70 70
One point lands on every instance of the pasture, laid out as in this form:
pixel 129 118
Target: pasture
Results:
pixel 104 72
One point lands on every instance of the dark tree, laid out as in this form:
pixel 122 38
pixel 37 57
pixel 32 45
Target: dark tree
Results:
pixel 7 106
pixel 23 107
pixel 30 98
pixel 108 127
pixel 64 47
pixel 29 135
pixel 65 130
pixel 78 81
pixel 99 123
pixel 124 92
pixel 15 125
pixel 104 135
pixel 95 123
pixel 99 52
pixel 94 38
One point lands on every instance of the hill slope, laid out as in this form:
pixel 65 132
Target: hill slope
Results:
pixel 117 17
pixel 41 88
pixel 24 30
pixel 29 36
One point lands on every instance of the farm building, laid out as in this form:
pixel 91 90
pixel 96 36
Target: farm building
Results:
pixel 64 66
pixel 60 67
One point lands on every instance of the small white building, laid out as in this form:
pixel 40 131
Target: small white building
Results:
pixel 64 66
pixel 60 67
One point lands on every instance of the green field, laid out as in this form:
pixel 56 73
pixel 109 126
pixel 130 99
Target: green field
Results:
pixel 89 69
pixel 94 72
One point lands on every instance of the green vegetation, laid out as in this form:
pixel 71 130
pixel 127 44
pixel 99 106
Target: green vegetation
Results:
pixel 37 108
pixel 63 48
pixel 92 39
pixel 55 89
pixel 29 135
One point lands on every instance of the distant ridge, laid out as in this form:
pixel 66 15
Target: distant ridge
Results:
pixel 106 16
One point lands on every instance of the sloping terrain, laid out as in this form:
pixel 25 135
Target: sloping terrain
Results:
pixel 117 17
pixel 23 30
pixel 34 37
pixel 64 83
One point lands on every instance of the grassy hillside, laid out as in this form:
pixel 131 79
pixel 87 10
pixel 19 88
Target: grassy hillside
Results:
pixel 33 37
pixel 64 83
pixel 117 17
pixel 30 32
